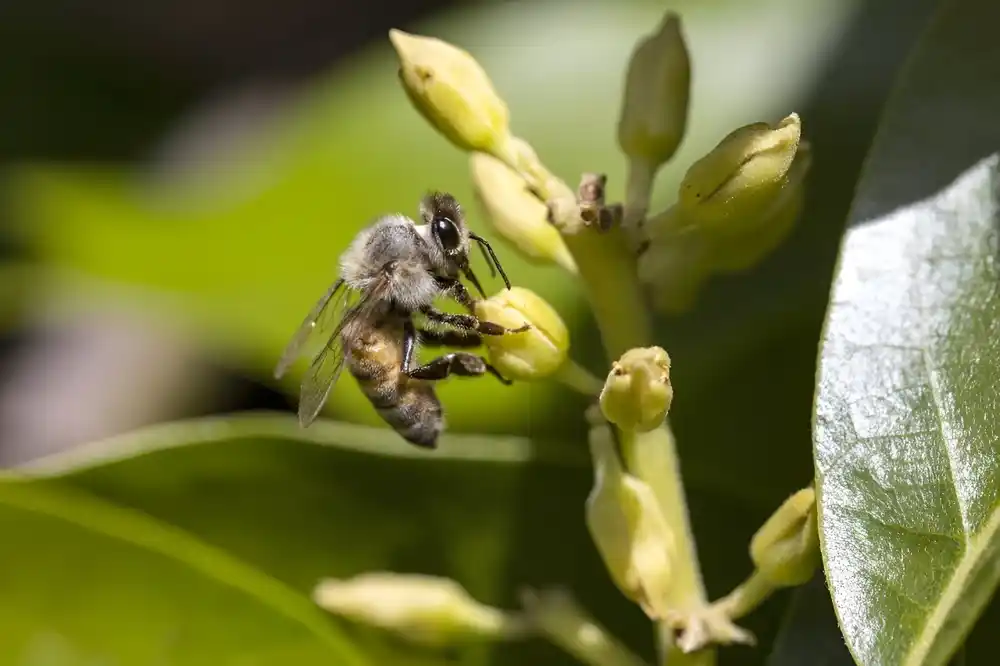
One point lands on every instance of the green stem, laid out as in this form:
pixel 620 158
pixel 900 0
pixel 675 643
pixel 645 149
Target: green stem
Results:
pixel 750 594
pixel 607 270
pixel 579 379
pixel 638 191
pixel 652 456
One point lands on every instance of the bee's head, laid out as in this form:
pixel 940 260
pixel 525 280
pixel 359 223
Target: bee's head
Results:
pixel 451 238
pixel 443 214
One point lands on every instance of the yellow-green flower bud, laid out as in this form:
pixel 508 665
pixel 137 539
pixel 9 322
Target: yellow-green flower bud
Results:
pixel 763 235
pixel 654 113
pixel 453 92
pixel 532 354
pixel 655 102
pixel 557 616
pixel 628 527
pixel 741 177
pixel 422 609
pixel 785 549
pixel 515 212
pixel 637 393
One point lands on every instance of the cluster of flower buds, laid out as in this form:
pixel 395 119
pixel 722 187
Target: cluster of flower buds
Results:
pixel 455 95
pixel 735 205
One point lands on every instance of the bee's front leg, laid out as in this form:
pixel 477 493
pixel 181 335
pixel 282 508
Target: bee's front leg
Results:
pixel 456 290
pixel 469 322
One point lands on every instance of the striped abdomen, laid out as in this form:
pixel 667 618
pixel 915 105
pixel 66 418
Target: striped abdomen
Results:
pixel 375 358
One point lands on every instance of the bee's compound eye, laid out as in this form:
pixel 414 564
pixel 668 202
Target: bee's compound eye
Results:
pixel 446 232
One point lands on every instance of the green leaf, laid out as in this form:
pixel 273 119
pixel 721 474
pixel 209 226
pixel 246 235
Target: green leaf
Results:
pixel 905 439
pixel 494 513
pixel 87 582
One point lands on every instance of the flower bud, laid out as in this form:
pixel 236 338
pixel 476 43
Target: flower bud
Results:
pixel 764 234
pixel 629 529
pixel 655 102
pixel 453 92
pixel 558 617
pixel 532 354
pixel 515 212
pixel 741 177
pixel 422 609
pixel 785 549
pixel 637 393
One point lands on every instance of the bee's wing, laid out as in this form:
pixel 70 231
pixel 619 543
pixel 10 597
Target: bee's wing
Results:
pixel 326 310
pixel 329 363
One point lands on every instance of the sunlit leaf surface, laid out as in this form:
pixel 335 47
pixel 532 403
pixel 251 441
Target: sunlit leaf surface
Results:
pixel 907 432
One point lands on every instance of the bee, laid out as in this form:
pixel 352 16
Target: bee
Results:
pixel 390 276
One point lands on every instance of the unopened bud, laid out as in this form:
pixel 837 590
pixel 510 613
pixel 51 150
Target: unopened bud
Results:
pixel 515 212
pixel 557 616
pixel 637 393
pixel 422 609
pixel 655 102
pixel 762 235
pixel 785 549
pixel 629 529
pixel 453 92
pixel 532 354
pixel 741 177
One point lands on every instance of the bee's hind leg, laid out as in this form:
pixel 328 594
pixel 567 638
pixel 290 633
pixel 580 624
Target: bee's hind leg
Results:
pixel 460 364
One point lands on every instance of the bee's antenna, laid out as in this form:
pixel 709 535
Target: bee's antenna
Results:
pixel 493 270
pixel 473 279
pixel 483 245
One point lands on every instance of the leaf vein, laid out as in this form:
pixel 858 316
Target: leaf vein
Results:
pixel 937 401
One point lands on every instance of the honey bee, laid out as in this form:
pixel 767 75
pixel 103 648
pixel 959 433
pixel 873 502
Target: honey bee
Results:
pixel 390 276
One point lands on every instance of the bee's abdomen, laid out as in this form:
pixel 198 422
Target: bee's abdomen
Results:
pixel 410 407
pixel 416 415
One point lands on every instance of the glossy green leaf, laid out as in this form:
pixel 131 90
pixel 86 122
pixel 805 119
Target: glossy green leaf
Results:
pixel 338 500
pixel 85 582
pixel 907 415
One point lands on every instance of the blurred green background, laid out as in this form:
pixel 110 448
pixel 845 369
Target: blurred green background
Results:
pixel 178 181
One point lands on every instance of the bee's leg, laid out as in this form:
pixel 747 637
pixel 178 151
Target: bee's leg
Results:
pixel 451 338
pixel 456 290
pixel 460 364
pixel 409 344
pixel 469 322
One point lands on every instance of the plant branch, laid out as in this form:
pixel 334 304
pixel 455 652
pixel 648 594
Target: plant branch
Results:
pixel 607 270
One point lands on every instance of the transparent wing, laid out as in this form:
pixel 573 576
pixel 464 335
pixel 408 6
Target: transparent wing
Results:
pixel 320 378
pixel 326 310
pixel 329 363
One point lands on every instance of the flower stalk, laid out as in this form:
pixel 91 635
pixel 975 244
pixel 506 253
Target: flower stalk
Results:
pixel 607 270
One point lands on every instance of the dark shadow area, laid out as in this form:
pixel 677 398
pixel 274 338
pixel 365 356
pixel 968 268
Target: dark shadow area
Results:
pixel 942 81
